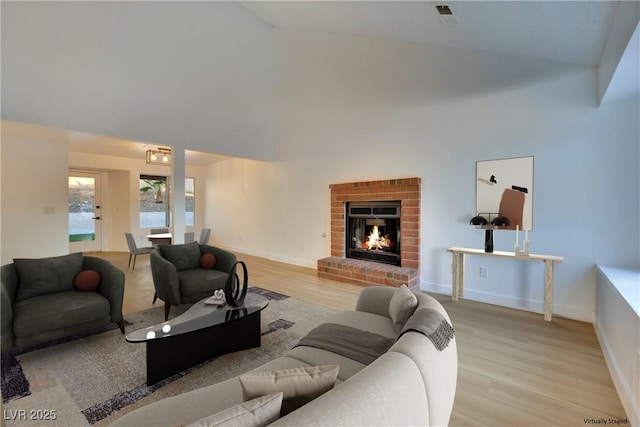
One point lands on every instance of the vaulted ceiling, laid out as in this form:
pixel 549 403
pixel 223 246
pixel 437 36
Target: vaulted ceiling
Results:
pixel 564 31
pixel 568 32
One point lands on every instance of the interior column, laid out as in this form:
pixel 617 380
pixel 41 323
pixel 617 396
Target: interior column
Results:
pixel 178 204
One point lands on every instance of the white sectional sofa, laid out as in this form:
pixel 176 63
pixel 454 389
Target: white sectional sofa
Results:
pixel 412 383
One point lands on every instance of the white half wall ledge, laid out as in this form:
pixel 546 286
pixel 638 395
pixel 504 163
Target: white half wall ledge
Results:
pixel 617 325
pixel 626 281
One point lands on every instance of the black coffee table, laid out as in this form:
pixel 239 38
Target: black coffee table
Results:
pixel 199 334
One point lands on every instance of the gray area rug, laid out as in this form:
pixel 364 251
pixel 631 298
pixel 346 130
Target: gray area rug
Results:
pixel 97 379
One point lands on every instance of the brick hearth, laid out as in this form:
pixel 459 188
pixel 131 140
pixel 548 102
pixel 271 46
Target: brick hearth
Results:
pixel 365 273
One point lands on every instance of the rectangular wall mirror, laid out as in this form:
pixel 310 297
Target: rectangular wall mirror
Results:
pixel 505 186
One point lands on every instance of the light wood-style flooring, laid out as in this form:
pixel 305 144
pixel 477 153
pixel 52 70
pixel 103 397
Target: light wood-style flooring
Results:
pixel 515 369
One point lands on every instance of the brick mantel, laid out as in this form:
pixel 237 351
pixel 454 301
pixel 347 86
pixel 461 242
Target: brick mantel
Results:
pixel 405 190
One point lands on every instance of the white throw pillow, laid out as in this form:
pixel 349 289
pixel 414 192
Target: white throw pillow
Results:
pixel 402 305
pixel 258 412
pixel 298 385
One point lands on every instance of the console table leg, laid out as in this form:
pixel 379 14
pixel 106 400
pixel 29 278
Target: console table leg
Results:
pixel 457 270
pixel 454 278
pixel 548 290
pixel 461 275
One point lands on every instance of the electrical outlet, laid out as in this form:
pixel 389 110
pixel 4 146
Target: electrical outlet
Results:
pixel 484 272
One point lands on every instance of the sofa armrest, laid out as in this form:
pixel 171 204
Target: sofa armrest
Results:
pixel 8 294
pixel 224 258
pixel 111 283
pixel 165 278
pixel 375 299
pixel 439 369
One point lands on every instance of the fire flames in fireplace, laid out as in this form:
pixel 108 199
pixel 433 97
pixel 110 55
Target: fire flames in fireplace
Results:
pixel 373 231
pixel 376 240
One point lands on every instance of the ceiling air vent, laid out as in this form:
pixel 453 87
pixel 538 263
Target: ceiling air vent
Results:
pixel 445 14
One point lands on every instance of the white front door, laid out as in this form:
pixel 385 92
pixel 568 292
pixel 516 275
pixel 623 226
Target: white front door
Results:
pixel 85 226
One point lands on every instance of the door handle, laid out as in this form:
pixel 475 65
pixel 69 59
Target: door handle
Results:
pixel 96 217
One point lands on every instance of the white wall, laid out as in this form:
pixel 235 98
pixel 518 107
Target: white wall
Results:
pixel 239 205
pixel 34 220
pixel 195 75
pixel 613 76
pixel 354 108
pixel 120 208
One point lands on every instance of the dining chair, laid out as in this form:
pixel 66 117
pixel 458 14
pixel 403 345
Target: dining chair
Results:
pixel 204 236
pixel 158 231
pixel 189 237
pixel 134 250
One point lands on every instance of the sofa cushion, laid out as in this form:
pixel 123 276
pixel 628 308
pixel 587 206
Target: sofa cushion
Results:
pixel 185 408
pixel 43 276
pixel 200 281
pixel 59 310
pixel 375 323
pixel 311 356
pixel 258 412
pixel 388 392
pixel 298 385
pixel 402 305
pixel 208 260
pixel 87 280
pixel 183 257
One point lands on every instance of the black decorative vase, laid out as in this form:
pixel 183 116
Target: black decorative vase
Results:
pixel 235 314
pixel 488 240
pixel 234 293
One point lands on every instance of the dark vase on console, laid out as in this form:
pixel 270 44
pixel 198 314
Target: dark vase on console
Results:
pixel 488 240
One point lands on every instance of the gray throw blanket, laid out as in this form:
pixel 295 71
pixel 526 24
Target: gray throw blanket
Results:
pixel 356 344
pixel 432 324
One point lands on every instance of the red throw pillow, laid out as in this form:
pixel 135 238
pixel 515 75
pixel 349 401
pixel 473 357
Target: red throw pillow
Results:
pixel 208 261
pixel 87 280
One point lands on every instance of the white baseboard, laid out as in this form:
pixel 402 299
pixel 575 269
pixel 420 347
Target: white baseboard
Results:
pixel 295 261
pixel 245 251
pixel 435 288
pixel 568 311
pixel 620 381
pixel 269 256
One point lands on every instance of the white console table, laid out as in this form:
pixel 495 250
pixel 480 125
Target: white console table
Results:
pixel 458 272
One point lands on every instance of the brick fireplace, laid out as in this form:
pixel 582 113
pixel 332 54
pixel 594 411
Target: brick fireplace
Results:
pixel 359 272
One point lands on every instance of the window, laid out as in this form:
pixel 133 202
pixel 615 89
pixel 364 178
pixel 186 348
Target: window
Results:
pixel 190 201
pixel 154 201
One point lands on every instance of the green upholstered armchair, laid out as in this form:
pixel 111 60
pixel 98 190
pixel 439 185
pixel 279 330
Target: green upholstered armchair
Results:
pixel 41 298
pixel 187 273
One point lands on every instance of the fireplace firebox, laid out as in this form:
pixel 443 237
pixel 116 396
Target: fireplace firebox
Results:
pixel 373 231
